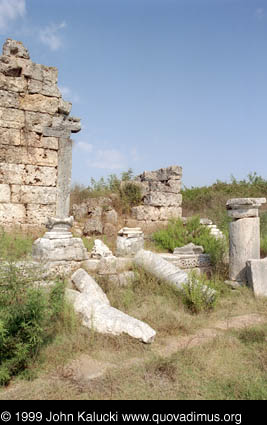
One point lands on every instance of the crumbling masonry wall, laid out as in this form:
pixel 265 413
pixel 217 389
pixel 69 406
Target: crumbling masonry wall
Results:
pixel 162 199
pixel 35 144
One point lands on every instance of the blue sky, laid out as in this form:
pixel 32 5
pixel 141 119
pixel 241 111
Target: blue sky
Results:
pixel 155 82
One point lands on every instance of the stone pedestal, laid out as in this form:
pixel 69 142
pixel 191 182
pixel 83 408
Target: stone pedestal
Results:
pixel 58 248
pixel 129 241
pixel 244 234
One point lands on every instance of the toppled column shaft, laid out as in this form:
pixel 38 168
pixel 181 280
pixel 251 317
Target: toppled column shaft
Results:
pixel 244 235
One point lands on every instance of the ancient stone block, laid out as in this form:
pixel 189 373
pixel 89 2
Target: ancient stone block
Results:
pixel 161 199
pixel 14 84
pixel 11 118
pixel 33 194
pixel 4 193
pixel 30 138
pixel 93 226
pixel 37 103
pixel 12 213
pixel 37 213
pixel 172 186
pixel 40 176
pixel 165 213
pixel 9 136
pixel 12 173
pixel 257 276
pixel 15 48
pixel 9 99
pixel 145 213
pixel 35 121
pixel 49 142
pixel 50 73
pixel 64 107
pixel 28 155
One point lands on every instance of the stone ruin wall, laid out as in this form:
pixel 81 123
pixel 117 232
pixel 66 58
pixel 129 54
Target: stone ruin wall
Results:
pixel 35 144
pixel 162 199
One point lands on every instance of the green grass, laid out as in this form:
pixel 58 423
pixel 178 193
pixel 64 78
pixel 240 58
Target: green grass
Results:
pixel 15 246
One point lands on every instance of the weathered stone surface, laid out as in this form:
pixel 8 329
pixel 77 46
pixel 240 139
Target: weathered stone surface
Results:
pixel 99 315
pixel 37 212
pixel 15 48
pixel 28 155
pixel 129 242
pixel 35 145
pixel 33 194
pixel 236 203
pixel 91 265
pixel 49 142
pixel 244 245
pixel 163 174
pixel 70 249
pixel 189 261
pixel 14 84
pixel 12 173
pixel 164 270
pixel 11 118
pixel 36 121
pixel 162 199
pixel 171 186
pixel 107 265
pixel 12 213
pixel 145 213
pixel 40 176
pixel 243 213
pixel 37 103
pixel 257 276
pixel 93 226
pixel 100 250
pixel 190 248
pixel 64 107
pixel 87 285
pixel 165 213
pixel 9 136
pixel 4 193
pixel 9 99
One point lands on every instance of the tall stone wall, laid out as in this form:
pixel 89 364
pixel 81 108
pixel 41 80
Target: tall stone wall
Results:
pixel 35 144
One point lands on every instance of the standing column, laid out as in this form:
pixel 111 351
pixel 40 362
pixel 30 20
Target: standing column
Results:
pixel 64 177
pixel 244 235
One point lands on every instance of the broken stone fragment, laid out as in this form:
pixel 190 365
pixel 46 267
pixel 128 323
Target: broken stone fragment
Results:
pixel 190 248
pixel 15 48
pixel 93 305
pixel 257 276
pixel 100 250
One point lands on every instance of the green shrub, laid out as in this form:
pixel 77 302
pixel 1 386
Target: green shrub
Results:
pixel 178 234
pixel 130 194
pixel 28 315
pixel 199 294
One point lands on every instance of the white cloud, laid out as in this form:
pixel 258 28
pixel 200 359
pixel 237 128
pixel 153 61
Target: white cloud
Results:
pixel 10 10
pixel 68 94
pixel 109 159
pixel 49 35
pixel 259 13
pixel 84 146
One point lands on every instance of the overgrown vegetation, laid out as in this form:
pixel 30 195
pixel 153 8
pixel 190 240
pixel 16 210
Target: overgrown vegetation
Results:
pixel 178 234
pixel 14 246
pixel 209 201
pixel 199 293
pixel 27 318
pixel 128 192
